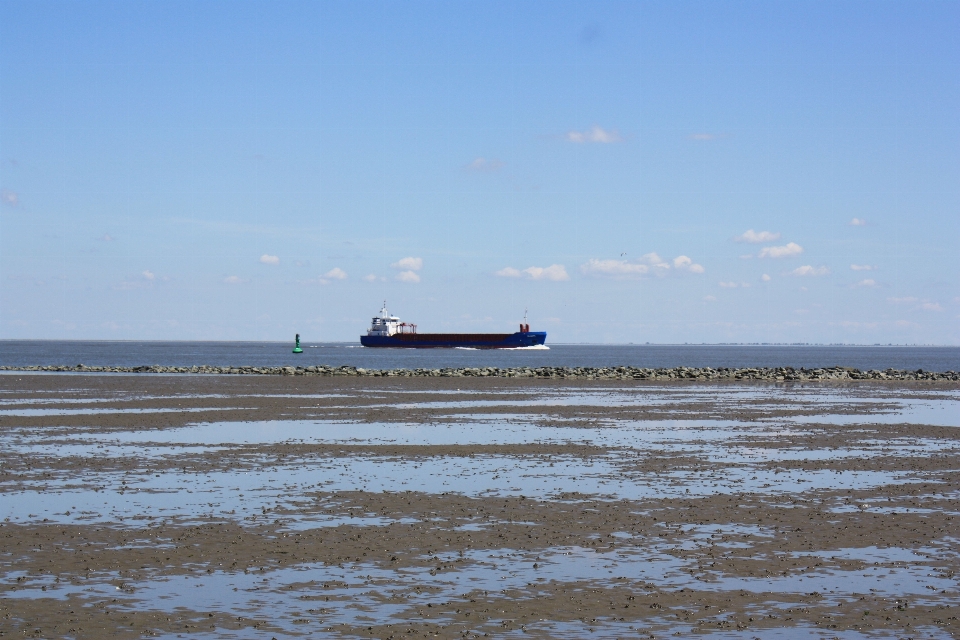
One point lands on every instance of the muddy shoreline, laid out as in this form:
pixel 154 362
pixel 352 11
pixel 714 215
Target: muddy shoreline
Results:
pixel 349 506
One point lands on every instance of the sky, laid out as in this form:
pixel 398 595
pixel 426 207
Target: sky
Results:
pixel 660 172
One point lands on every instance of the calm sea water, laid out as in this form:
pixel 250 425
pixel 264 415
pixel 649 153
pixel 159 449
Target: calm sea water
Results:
pixel 129 353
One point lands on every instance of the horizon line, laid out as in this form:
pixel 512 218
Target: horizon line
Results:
pixel 589 344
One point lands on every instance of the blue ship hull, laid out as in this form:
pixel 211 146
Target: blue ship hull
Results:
pixel 448 340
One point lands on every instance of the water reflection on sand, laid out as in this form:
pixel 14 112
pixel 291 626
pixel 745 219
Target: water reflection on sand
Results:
pixel 808 446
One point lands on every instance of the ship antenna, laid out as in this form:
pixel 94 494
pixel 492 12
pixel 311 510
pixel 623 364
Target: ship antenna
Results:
pixel 524 315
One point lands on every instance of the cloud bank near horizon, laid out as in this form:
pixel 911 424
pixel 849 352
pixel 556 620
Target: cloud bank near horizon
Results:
pixel 649 264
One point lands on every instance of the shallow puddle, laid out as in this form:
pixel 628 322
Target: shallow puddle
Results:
pixel 104 411
pixel 353 592
pixel 240 494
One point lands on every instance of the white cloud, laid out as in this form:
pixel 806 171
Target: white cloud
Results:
pixel 683 263
pixel 408 276
pixel 614 268
pixel 858 222
pixel 233 280
pixel 335 274
pixel 653 260
pixel 106 238
pixel 555 272
pixel 787 250
pixel 905 300
pixel 807 270
pixel 765 278
pixel 148 275
pixel 10 198
pixel 268 259
pixel 408 264
pixel 757 236
pixel 867 282
pixel 647 264
pixel 483 165
pixel 728 285
pixel 710 298
pixel 862 267
pixel 370 277
pixel 931 306
pixel 595 134
pixel 701 136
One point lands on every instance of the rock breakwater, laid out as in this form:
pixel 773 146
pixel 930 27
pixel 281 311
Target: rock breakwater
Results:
pixel 768 374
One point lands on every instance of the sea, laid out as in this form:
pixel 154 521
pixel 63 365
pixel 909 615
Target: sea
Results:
pixel 272 354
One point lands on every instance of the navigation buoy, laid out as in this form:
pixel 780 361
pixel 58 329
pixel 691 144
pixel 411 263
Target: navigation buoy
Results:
pixel 297 348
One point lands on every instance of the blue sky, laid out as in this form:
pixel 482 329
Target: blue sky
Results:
pixel 627 172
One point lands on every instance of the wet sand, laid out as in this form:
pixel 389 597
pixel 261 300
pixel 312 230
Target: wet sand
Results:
pixel 268 506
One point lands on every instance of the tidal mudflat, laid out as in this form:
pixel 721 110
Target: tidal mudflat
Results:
pixel 268 506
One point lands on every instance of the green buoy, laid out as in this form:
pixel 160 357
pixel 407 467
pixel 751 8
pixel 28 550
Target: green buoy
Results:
pixel 297 348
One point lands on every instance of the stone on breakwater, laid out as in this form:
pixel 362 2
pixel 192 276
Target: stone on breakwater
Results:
pixel 768 374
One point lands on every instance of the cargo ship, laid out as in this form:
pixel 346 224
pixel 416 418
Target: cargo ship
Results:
pixel 387 331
